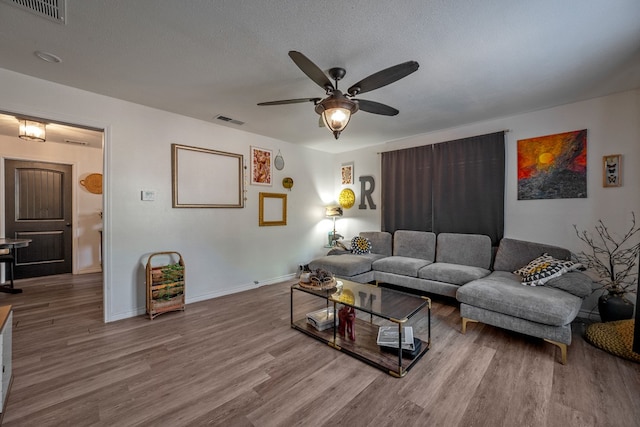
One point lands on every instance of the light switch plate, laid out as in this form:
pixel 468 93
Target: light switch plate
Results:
pixel 148 195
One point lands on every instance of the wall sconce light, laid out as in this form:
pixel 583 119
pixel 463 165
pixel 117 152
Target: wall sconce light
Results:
pixel 347 198
pixel 30 130
pixel 333 212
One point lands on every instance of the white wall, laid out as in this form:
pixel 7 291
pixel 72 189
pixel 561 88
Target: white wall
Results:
pixel 224 249
pixel 86 205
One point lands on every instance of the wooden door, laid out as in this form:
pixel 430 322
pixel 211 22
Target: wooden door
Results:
pixel 38 207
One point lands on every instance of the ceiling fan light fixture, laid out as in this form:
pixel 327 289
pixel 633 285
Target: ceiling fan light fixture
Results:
pixel 31 130
pixel 336 112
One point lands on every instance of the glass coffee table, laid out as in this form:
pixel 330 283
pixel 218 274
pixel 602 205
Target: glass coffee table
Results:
pixel 316 313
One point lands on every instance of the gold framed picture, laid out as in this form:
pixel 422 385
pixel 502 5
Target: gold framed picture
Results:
pixel 204 178
pixel 272 209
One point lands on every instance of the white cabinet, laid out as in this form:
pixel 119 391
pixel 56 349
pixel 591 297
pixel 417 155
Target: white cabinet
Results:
pixel 6 322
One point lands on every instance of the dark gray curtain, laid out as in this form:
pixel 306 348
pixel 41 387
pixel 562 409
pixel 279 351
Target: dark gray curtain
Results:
pixel 455 187
pixel 468 186
pixel 406 189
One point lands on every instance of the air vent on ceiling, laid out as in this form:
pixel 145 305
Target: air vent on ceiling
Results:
pixel 73 141
pixel 54 10
pixel 228 120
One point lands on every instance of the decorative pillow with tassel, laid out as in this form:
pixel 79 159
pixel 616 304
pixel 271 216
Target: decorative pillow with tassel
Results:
pixel 360 245
pixel 544 268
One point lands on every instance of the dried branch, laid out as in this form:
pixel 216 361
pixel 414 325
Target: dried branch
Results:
pixel 612 258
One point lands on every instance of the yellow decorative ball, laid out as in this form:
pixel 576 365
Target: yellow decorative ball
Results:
pixel 347 198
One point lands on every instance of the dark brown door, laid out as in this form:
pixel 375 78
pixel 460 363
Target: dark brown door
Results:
pixel 38 207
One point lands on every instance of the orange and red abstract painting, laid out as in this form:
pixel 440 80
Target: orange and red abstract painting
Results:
pixel 553 166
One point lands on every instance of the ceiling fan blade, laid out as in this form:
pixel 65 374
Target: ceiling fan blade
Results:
pixel 376 107
pixel 291 101
pixel 311 70
pixel 383 78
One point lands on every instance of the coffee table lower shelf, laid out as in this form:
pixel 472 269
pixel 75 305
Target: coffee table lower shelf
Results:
pixel 364 348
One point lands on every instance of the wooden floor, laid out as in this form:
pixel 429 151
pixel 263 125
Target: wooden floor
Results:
pixel 235 361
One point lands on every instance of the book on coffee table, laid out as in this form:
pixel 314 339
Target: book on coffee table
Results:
pixel 388 336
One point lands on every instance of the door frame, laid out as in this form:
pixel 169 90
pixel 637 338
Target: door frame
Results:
pixel 54 116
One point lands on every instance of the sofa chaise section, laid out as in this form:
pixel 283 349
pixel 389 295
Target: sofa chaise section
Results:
pixel 500 299
pixel 357 268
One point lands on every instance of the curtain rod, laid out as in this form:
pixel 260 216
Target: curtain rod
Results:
pixel 503 130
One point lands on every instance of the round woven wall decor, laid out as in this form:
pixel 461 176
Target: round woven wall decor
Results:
pixel 93 183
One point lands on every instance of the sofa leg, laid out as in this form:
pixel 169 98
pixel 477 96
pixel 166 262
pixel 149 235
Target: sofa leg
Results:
pixel 563 350
pixel 464 324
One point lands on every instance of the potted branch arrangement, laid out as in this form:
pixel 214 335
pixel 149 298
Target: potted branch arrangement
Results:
pixel 613 259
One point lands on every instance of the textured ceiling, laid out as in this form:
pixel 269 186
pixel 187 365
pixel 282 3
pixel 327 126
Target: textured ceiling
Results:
pixel 478 59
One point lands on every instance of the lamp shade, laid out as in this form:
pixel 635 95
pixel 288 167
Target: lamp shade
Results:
pixel 347 198
pixel 333 211
pixel 336 111
pixel 31 130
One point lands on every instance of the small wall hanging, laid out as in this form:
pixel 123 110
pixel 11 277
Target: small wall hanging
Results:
pixel 261 166
pixel 287 183
pixel 278 162
pixel 93 183
pixel 612 170
pixel 346 173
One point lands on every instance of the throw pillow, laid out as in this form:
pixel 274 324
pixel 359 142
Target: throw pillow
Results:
pixel 541 270
pixel 360 245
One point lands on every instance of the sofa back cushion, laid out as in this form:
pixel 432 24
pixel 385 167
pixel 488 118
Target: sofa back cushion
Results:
pixel 415 244
pixel 514 254
pixel 464 249
pixel 380 241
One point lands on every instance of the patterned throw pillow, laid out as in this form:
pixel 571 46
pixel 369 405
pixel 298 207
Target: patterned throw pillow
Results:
pixel 542 269
pixel 360 245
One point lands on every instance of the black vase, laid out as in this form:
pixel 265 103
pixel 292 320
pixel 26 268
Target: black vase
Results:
pixel 614 307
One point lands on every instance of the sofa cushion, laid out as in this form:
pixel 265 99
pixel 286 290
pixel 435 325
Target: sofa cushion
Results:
pixel 345 265
pixel 574 282
pixel 380 241
pixel 404 266
pixel 415 244
pixel 452 273
pixel 502 292
pixel 464 249
pixel 513 254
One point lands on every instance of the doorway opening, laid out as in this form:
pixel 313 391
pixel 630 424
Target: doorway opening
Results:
pixel 45 197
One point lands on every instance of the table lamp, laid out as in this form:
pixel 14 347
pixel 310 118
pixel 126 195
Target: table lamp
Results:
pixel 333 212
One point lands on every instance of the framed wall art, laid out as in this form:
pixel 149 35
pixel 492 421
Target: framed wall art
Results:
pixel 553 166
pixel 272 209
pixel 261 166
pixel 204 178
pixel 612 170
pixel 346 173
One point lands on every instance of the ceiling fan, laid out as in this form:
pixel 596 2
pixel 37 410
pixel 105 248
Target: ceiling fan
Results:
pixel 336 109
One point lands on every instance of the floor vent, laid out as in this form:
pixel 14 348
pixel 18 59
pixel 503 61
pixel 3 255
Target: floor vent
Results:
pixel 228 120
pixel 54 10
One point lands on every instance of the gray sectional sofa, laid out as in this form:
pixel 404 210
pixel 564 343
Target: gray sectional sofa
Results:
pixel 463 266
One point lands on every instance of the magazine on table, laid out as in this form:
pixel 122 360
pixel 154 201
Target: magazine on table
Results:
pixel 388 336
